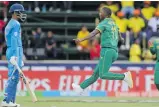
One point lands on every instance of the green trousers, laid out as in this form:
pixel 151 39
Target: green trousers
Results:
pixel 107 57
pixel 156 75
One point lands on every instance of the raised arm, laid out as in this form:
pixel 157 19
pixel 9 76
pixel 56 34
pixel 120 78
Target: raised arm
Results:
pixel 91 35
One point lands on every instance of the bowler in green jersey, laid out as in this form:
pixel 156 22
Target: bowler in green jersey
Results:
pixel 154 48
pixel 110 36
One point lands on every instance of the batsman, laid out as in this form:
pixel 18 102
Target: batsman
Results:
pixel 154 48
pixel 110 36
pixel 14 53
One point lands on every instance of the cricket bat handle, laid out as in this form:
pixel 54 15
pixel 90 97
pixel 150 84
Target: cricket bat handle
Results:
pixel 31 92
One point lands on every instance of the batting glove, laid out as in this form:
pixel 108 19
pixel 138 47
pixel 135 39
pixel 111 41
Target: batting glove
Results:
pixel 22 64
pixel 13 60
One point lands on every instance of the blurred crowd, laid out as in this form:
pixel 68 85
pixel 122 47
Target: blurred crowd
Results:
pixel 137 25
pixel 39 39
pixel 53 6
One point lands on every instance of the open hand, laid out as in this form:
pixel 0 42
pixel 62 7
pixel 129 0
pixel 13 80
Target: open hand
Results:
pixel 13 60
pixel 77 40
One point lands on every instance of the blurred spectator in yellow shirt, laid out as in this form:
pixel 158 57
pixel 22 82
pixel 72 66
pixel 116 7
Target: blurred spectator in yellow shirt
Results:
pixel 122 22
pixel 135 52
pixel 147 55
pixel 112 6
pixel 127 7
pixel 83 46
pixel 147 11
pixel 136 24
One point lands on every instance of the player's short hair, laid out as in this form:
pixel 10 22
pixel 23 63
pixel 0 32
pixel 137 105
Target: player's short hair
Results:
pixel 107 11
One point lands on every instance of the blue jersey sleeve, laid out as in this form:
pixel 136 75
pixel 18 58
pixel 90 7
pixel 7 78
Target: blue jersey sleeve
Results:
pixel 14 39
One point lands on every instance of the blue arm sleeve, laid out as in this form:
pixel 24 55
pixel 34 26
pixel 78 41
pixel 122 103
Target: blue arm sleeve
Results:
pixel 14 41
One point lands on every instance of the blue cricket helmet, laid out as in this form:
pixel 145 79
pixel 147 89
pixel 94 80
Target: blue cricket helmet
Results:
pixel 19 10
pixel 16 7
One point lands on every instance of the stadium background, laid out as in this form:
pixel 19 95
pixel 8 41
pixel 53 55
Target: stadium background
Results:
pixel 52 72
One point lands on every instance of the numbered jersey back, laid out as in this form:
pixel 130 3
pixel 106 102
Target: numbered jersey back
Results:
pixel 109 33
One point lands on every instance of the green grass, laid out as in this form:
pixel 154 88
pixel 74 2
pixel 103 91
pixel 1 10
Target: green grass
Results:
pixel 82 102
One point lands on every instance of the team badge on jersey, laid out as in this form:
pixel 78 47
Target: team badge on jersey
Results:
pixel 15 33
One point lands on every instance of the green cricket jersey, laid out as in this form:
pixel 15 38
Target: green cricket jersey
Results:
pixel 109 33
pixel 108 54
pixel 155 48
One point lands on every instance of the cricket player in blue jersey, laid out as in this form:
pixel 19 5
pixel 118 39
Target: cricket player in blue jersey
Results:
pixel 14 53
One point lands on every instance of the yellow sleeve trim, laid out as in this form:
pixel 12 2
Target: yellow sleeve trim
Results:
pixel 99 30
